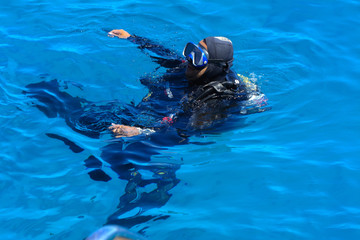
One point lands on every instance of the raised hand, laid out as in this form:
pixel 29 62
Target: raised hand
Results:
pixel 120 33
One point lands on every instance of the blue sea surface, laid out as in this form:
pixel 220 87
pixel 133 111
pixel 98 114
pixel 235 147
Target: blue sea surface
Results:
pixel 289 173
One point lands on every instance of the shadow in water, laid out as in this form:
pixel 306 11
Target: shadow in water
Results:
pixel 148 182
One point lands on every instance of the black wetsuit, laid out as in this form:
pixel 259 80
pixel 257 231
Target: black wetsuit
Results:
pixel 171 108
pixel 188 106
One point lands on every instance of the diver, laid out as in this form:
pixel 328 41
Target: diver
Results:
pixel 212 87
pixel 196 92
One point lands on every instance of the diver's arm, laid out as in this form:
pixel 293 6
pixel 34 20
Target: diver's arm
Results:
pixel 165 57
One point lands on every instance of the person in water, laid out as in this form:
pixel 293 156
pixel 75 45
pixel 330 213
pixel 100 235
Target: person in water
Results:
pixel 196 92
pixel 210 81
pixel 208 71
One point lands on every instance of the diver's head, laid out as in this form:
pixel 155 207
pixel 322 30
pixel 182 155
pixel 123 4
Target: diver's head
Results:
pixel 209 60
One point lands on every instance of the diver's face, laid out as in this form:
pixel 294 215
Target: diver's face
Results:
pixel 193 73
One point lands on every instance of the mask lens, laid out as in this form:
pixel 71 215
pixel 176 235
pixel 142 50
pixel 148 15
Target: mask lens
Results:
pixel 195 55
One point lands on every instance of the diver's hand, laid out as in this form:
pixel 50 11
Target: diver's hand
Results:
pixel 123 130
pixel 120 33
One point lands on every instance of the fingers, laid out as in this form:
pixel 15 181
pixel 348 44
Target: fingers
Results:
pixel 113 33
pixel 116 128
pixel 113 126
pixel 123 131
pixel 119 129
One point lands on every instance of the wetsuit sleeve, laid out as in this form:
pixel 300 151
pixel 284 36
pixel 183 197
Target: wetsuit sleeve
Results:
pixel 165 57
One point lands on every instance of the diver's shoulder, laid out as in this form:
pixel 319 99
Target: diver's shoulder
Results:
pixel 242 81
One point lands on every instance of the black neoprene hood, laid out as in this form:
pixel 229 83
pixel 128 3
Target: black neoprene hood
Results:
pixel 220 48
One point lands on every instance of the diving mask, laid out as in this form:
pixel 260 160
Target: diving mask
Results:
pixel 198 56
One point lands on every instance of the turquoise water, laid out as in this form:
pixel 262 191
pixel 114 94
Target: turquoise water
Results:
pixel 288 173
